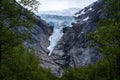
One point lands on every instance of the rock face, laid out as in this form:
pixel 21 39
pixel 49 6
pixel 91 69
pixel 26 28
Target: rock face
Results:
pixel 40 31
pixel 58 22
pixel 73 49
pixel 40 34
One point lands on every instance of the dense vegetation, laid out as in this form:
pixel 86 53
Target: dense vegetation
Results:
pixel 108 37
pixel 18 63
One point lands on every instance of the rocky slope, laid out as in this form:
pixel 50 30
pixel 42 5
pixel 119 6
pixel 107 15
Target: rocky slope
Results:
pixel 59 20
pixel 73 49
pixel 40 34
pixel 39 30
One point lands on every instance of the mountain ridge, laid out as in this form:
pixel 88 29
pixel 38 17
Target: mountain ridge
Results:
pixel 73 48
pixel 65 12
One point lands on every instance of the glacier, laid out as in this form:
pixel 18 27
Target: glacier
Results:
pixel 58 20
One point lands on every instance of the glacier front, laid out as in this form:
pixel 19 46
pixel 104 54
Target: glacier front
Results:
pixel 59 20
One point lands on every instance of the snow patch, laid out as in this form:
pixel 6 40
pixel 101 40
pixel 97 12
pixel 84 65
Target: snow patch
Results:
pixel 86 19
pixel 77 15
pixel 90 9
pixel 82 12
pixel 82 32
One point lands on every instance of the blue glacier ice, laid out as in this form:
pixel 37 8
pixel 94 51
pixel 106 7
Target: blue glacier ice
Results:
pixel 59 20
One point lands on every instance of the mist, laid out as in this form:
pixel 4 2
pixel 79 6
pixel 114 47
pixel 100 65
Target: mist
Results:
pixel 51 5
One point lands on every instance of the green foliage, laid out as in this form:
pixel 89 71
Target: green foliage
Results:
pixel 98 71
pixel 20 64
pixel 108 37
pixel 16 61
pixel 13 16
pixel 31 4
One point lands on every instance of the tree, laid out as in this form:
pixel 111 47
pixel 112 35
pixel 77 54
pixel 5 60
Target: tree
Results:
pixel 12 16
pixel 16 61
pixel 30 4
pixel 107 36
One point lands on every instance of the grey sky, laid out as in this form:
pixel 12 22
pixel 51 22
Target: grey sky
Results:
pixel 48 5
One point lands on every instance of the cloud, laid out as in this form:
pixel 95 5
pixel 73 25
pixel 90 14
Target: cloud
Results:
pixel 48 5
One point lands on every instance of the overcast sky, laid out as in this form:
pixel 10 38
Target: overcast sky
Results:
pixel 48 5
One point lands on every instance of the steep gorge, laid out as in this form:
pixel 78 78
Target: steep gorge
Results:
pixel 60 46
pixel 73 48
